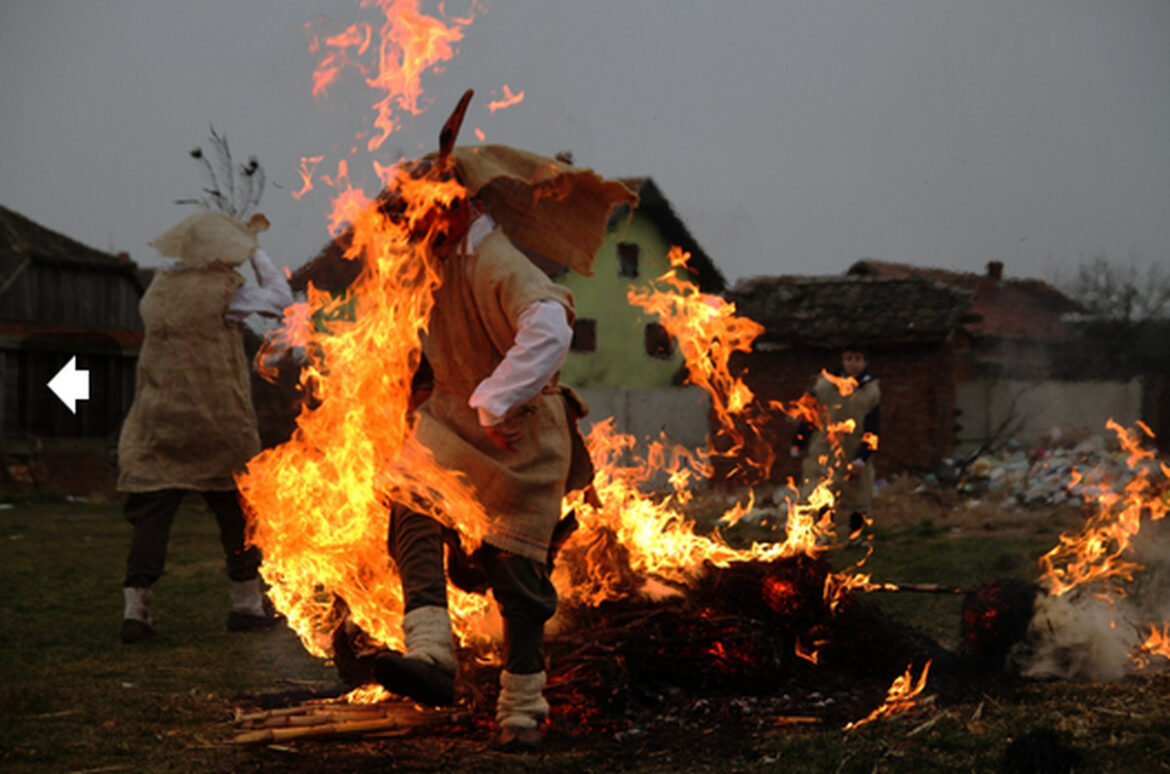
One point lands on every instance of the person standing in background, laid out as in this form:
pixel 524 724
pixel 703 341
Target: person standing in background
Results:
pixel 846 452
pixel 192 424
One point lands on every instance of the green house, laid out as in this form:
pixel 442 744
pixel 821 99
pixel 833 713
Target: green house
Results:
pixel 616 344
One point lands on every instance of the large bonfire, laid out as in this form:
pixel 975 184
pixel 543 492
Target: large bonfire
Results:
pixel 319 503
pixel 320 500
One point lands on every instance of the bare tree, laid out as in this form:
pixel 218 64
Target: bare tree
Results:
pixel 1125 328
pixel 234 190
pixel 1117 293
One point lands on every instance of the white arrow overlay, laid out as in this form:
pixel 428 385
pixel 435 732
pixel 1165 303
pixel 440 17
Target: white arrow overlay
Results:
pixel 70 385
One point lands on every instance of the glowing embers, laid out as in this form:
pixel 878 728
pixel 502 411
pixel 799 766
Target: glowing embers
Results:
pixel 995 617
pixel 750 642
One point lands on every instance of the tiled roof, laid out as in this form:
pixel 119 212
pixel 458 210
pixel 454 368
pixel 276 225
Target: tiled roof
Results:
pixel 832 311
pixel 1023 309
pixel 23 241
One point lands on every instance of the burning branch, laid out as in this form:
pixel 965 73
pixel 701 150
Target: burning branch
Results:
pixel 1097 554
pixel 901 697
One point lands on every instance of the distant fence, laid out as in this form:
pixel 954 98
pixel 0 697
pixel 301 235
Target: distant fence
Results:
pixel 1030 410
pixel 681 413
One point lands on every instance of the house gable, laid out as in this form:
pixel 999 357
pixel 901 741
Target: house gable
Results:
pixel 629 348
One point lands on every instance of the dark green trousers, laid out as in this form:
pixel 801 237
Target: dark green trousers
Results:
pixel 520 586
pixel 152 514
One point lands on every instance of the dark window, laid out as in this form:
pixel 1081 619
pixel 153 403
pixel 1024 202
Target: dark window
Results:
pixel 627 259
pixel 657 341
pixel 584 335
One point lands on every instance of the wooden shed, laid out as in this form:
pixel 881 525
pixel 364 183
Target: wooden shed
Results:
pixel 60 299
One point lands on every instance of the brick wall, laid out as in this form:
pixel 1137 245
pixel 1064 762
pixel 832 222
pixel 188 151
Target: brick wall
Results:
pixel 917 403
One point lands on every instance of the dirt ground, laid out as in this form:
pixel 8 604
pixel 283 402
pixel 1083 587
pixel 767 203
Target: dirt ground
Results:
pixel 72 698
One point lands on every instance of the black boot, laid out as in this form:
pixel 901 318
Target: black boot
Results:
pixel 134 630
pixel 415 679
pixel 246 622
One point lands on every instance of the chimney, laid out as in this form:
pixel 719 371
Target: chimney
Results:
pixel 995 270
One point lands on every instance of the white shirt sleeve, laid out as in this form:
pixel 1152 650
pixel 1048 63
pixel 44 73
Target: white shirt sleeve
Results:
pixel 542 342
pixel 270 297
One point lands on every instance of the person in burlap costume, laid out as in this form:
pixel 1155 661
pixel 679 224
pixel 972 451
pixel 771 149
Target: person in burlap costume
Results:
pixel 844 454
pixel 192 424
pixel 499 331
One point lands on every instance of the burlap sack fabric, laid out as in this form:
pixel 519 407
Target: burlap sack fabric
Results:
pixel 206 237
pixel 561 213
pixel 192 423
pixel 472 326
pixel 544 206
pixel 853 493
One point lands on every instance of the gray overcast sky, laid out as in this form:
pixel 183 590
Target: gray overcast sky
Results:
pixel 793 136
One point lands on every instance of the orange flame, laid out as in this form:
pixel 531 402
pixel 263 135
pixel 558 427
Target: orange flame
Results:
pixel 808 655
pixel 844 384
pixel 1098 553
pixel 901 696
pixel 366 694
pixel 657 538
pixel 1157 643
pixel 410 43
pixel 708 333
pixel 803 409
pixel 321 497
pixel 308 167
pixel 318 503
pixel 509 100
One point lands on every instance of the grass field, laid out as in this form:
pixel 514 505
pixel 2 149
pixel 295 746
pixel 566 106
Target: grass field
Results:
pixel 73 698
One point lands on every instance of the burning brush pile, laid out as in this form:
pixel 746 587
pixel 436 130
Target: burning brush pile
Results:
pixel 658 623
pixel 1099 609
pixel 749 646
pixel 754 644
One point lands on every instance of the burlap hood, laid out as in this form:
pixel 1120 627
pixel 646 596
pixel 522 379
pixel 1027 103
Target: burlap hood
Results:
pixel 206 237
pixel 544 206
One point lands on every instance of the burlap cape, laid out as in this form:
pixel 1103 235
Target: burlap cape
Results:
pixel 555 210
pixel 472 326
pixel 853 493
pixel 192 424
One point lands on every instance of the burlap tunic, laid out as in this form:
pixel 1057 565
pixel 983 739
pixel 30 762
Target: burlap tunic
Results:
pixel 192 423
pixel 472 327
pixel 853 493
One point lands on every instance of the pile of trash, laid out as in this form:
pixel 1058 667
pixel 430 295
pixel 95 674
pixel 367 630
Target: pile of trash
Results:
pixel 1044 475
